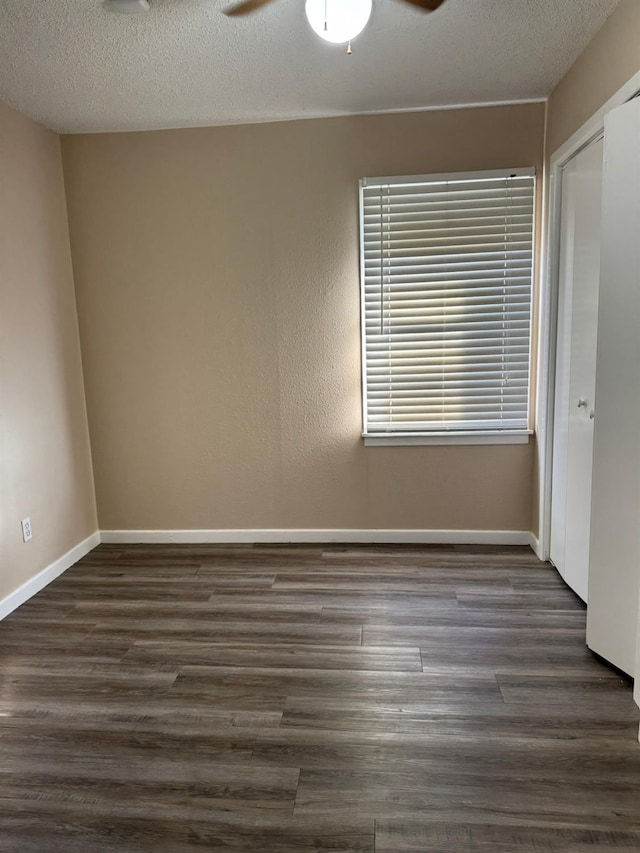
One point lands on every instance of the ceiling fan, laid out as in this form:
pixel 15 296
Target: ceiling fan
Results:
pixel 248 6
pixel 336 21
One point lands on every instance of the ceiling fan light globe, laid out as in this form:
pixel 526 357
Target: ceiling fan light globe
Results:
pixel 338 21
pixel 127 7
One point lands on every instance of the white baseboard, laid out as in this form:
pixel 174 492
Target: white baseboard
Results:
pixel 534 542
pixel 437 537
pixel 52 571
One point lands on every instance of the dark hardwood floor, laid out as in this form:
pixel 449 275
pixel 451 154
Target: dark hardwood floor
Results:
pixel 297 699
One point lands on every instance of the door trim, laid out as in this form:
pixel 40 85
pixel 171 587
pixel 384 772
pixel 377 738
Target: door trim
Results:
pixel 548 304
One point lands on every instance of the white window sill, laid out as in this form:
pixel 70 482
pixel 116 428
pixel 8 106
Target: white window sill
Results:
pixel 412 439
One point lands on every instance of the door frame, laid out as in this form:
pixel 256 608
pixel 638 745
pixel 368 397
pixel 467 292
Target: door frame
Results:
pixel 548 305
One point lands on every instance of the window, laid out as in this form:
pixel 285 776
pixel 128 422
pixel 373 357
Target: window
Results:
pixel 446 283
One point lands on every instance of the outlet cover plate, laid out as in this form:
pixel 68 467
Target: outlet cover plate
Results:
pixel 26 529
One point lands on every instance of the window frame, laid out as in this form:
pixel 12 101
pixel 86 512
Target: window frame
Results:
pixel 441 437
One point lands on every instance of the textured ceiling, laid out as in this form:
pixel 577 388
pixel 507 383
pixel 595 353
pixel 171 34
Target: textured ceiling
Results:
pixel 76 67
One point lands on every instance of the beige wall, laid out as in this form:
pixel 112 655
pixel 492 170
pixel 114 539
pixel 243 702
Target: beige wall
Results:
pixel 217 285
pixel 612 58
pixel 45 464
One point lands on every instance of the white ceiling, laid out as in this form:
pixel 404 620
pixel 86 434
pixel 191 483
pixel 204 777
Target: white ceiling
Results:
pixel 76 67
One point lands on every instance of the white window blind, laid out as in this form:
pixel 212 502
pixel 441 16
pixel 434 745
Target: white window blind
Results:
pixel 446 302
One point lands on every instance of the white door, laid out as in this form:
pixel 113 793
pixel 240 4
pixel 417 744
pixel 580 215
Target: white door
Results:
pixel 614 569
pixel 579 275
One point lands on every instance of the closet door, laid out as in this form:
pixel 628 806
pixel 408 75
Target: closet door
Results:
pixel 576 366
pixel 582 371
pixel 615 511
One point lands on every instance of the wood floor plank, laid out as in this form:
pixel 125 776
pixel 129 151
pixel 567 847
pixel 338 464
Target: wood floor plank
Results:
pixel 324 684
pixel 439 637
pixel 530 600
pixel 156 785
pixel 557 689
pixel 214 630
pixel 442 796
pixel 195 611
pixel 415 836
pixel 82 648
pixel 340 598
pixel 277 655
pixel 388 614
pixel 53 826
pixel 418 582
pixel 447 712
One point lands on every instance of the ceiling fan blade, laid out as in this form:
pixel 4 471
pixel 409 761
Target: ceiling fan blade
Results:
pixel 425 5
pixel 245 8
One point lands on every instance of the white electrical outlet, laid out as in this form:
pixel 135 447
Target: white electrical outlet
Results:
pixel 26 529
